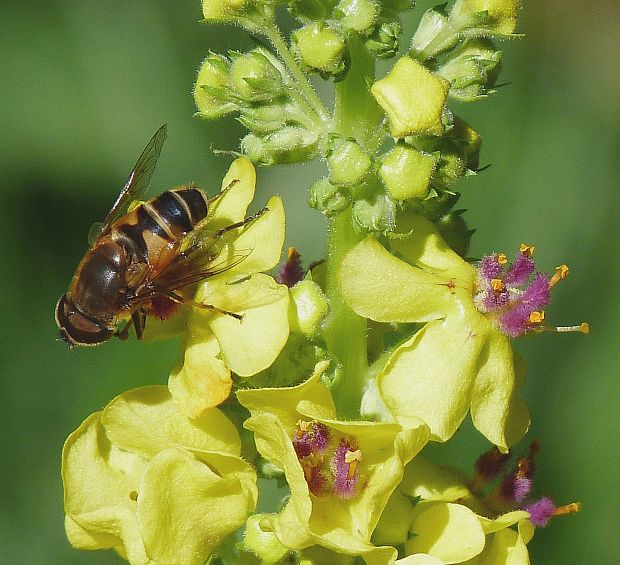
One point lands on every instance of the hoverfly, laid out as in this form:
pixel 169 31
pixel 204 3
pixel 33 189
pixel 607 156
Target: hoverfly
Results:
pixel 142 257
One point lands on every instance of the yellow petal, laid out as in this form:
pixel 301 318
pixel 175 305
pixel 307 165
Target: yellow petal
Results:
pixel 448 531
pixel 146 420
pixel 504 521
pixel 202 380
pixel 377 285
pixel 431 375
pixel 261 241
pixel 426 249
pixel 232 206
pixel 495 409
pixel 251 344
pixel 98 495
pixel 186 509
pixel 419 559
pixel 434 482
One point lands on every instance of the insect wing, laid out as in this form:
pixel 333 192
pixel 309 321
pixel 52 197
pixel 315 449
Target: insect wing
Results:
pixel 140 177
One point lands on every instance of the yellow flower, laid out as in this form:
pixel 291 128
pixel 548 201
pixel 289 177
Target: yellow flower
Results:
pixel 158 488
pixel 217 344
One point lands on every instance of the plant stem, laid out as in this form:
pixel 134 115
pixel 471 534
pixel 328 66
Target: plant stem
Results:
pixel 356 114
pixel 273 34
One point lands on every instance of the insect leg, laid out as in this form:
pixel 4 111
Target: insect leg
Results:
pixel 182 300
pixel 139 321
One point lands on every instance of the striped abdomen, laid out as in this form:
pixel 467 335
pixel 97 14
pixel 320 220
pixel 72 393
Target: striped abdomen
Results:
pixel 152 232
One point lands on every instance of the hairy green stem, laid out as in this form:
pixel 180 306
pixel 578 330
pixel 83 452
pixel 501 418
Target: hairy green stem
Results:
pixel 355 115
pixel 308 93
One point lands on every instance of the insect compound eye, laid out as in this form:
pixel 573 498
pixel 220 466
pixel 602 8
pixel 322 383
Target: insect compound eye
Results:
pixel 75 328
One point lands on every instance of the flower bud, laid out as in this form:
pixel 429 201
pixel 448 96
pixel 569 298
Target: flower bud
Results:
pixel 357 15
pixel 378 215
pixel 383 42
pixel 211 92
pixel 265 118
pixel 454 230
pixel 224 10
pixel 348 162
pixel 261 540
pixel 309 307
pixel 320 48
pixel 472 70
pixel 413 98
pixel 499 17
pixel 432 36
pixel 406 173
pixel 255 78
pixel 287 145
pixel 327 198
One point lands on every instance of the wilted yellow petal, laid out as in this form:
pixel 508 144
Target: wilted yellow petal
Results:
pixel 202 380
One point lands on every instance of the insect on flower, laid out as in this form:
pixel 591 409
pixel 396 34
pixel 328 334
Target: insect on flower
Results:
pixel 143 257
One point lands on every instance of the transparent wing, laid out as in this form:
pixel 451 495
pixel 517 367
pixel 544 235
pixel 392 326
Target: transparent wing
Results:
pixel 139 179
pixel 204 255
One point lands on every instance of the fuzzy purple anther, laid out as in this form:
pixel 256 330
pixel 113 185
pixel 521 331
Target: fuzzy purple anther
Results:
pixel 540 511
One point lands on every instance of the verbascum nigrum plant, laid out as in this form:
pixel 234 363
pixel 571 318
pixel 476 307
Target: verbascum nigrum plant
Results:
pixel 325 382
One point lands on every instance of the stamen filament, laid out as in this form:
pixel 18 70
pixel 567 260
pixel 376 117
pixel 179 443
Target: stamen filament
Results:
pixel 583 328
pixel 571 508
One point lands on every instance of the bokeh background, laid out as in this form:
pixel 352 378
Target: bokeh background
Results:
pixel 86 83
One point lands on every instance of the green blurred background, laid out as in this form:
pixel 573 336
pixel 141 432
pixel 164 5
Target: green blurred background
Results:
pixel 86 84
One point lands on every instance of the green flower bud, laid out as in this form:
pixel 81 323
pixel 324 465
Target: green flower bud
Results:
pixel 327 198
pixel 468 141
pixel 450 168
pixel 320 48
pixel 383 42
pixel 454 230
pixel 413 99
pixel 311 10
pixel 265 118
pixel 287 145
pixel 357 15
pixel 309 307
pixel 261 540
pixel 225 10
pixel 495 17
pixel 472 70
pixel 433 35
pixel 211 92
pixel 378 215
pixel 255 78
pixel 348 162
pixel 406 173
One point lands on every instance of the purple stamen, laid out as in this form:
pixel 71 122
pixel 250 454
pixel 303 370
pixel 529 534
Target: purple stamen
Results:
pixel 491 463
pixel 291 272
pixel 520 270
pixel 310 438
pixel 345 473
pixel 489 268
pixel 540 511
pixel 537 295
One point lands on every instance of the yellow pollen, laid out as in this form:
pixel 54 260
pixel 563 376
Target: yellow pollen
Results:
pixel 352 458
pixel 292 254
pixel 571 508
pixel 584 328
pixel 502 259
pixel 561 272
pixel 526 249
pixel 133 495
pixel 497 285
pixel 304 426
pixel 537 317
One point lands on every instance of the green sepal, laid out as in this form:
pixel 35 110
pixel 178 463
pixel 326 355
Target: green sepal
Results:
pixel 327 198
